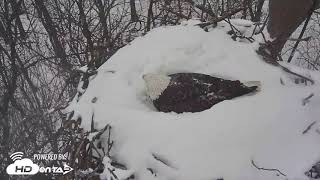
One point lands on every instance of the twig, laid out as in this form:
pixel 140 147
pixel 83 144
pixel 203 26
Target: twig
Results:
pixel 234 30
pixel 110 143
pixel 113 174
pixel 152 171
pixel 301 34
pixel 163 161
pixel 306 100
pixel 176 13
pixel 300 39
pixel 218 19
pixel 267 169
pixel 263 27
pixel 79 148
pixel 268 58
pixel 294 73
pixel 309 127
pixel 92 123
pixel 97 136
pixel 202 8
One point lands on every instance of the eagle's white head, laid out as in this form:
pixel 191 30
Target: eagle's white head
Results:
pixel 156 84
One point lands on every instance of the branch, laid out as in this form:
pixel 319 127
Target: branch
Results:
pixel 267 169
pixel 218 19
pixel 176 13
pixel 203 8
pixel 309 127
pixel 97 136
pixel 162 160
pixel 234 30
pixel 268 58
pixel 262 28
pixel 307 99
pixel 296 74
pixel 301 34
pixel 300 39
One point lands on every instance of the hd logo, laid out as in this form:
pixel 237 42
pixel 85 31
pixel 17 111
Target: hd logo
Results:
pixel 21 166
pixel 26 167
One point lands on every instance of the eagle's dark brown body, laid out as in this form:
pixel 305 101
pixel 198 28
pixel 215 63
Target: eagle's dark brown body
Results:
pixel 193 92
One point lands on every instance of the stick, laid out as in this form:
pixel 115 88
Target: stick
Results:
pixel 163 161
pixel 301 39
pixel 97 136
pixel 266 169
pixel 306 100
pixel 309 127
pixel 218 19
pixel 301 34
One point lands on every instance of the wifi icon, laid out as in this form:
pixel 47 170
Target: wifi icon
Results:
pixel 16 156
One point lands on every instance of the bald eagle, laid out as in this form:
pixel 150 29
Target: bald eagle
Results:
pixel 192 92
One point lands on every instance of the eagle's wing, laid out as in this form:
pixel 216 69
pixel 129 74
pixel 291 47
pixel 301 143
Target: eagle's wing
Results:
pixel 188 92
pixel 202 84
pixel 188 86
pixel 192 92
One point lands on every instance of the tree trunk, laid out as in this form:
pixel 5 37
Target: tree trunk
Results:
pixel 257 16
pixel 134 15
pixel 285 17
pixel 50 27
pixel 150 16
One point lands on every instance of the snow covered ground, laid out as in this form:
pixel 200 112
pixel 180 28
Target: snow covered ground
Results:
pixel 221 142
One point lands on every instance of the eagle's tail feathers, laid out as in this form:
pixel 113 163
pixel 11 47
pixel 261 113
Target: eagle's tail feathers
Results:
pixel 253 84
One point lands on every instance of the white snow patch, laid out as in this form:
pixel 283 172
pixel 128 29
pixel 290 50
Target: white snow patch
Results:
pixel 219 142
pixel 83 69
pixel 241 22
pixel 111 172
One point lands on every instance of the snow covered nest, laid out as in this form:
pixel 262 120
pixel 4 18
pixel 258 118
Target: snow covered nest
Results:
pixel 232 139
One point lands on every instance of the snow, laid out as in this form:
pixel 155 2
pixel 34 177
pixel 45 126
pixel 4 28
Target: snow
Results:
pixel 111 172
pixel 220 142
pixel 79 88
pixel 241 22
pixel 92 135
pixel 83 69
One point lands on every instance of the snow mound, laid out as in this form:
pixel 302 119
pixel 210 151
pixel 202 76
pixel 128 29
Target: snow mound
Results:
pixel 225 141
